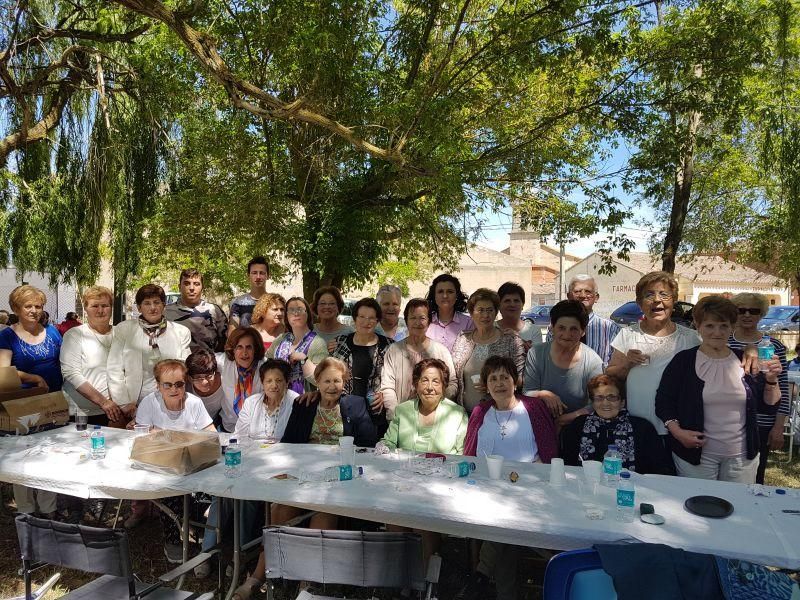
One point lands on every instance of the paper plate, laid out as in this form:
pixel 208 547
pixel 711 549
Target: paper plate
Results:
pixel 709 506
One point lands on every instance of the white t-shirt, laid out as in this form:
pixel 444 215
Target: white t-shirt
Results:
pixel 84 354
pixel 530 332
pixel 643 380
pixel 256 423
pixel 517 444
pixel 153 411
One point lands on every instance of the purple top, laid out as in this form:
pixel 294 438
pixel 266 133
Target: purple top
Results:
pixel 446 334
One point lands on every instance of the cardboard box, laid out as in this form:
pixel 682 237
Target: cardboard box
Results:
pixel 28 410
pixel 176 452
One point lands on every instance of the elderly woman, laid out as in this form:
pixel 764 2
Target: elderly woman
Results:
pixel 430 422
pixel 331 415
pixel 519 429
pixel 138 345
pixel 84 360
pixel 269 317
pixel 472 348
pixel 171 407
pixel 327 304
pixel 512 302
pixel 33 350
pixel 643 350
pixel 708 404
pixel 300 346
pixel 447 303
pixel 238 367
pixel 401 357
pixel 557 371
pixel 589 436
pixel 752 307
pixel 391 299
pixel 363 352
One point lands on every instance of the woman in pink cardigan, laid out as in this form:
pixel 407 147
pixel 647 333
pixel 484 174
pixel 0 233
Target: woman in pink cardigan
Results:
pixel 520 429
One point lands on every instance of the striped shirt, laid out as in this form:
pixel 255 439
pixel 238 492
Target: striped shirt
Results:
pixel 600 333
pixel 784 406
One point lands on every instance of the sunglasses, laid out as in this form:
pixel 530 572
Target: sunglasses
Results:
pixel 168 385
pixel 749 311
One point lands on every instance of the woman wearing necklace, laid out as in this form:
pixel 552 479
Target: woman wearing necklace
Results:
pixel 589 436
pixel 84 358
pixel 472 348
pixel 519 429
pixel 708 404
pixel 300 346
pixel 138 344
pixel 752 307
pixel 265 415
pixel 401 357
pixel 331 415
pixel 430 422
pixel 447 303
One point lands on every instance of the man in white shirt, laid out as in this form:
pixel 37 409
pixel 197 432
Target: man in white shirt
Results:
pixel 242 306
pixel 206 321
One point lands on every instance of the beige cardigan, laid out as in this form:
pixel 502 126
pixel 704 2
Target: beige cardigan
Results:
pixel 396 375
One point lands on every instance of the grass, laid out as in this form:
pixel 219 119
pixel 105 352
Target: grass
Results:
pixel 149 561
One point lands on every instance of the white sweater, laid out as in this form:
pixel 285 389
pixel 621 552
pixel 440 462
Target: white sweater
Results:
pixel 84 354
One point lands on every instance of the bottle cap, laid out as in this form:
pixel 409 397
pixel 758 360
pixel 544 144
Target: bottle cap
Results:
pixel 97 426
pixel 625 475
pixel 612 447
pixel 780 492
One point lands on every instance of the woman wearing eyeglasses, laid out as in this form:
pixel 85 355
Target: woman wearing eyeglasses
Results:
pixel 643 350
pixel 472 348
pixel 170 406
pixel 205 382
pixel 300 346
pixel 589 436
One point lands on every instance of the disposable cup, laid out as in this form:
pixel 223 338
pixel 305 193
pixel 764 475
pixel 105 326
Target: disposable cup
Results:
pixel 557 476
pixel 347 450
pixel 590 499
pixel 141 430
pixel 592 470
pixel 476 379
pixel 494 464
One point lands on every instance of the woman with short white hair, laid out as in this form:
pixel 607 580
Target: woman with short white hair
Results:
pixel 390 297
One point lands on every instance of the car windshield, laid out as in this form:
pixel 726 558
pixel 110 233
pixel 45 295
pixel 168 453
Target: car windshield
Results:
pixel 779 313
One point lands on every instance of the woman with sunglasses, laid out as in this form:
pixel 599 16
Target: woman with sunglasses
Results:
pixel 589 436
pixel 170 406
pixel 751 308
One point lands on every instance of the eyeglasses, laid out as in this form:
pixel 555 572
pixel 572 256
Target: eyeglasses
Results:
pixel 613 398
pixel 485 311
pixel 296 311
pixel 749 311
pixel 660 296
pixel 367 319
pixel 204 378
pixel 588 293
pixel 168 385
pixel 418 319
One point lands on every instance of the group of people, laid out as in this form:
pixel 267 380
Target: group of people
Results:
pixel 465 375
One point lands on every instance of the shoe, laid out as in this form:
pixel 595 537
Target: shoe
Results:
pixel 174 553
pixel 202 570
pixel 478 587
pixel 246 590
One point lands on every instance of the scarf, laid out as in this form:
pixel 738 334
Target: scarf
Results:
pixel 153 331
pixel 284 351
pixel 618 430
pixel 244 386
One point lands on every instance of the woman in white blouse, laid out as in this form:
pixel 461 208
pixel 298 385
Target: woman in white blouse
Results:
pixel 139 344
pixel 264 415
pixel 84 357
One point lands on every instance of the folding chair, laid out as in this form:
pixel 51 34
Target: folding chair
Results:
pixel 577 575
pixel 93 550
pixel 358 558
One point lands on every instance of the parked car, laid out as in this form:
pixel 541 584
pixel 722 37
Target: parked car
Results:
pixel 780 318
pixel 630 313
pixel 540 315
pixel 346 316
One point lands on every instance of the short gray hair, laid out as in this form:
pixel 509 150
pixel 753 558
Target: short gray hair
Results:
pixel 389 289
pixel 581 277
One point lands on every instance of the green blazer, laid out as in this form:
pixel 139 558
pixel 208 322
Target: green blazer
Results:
pixel 448 432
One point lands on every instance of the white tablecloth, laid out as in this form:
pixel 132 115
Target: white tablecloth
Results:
pixel 530 512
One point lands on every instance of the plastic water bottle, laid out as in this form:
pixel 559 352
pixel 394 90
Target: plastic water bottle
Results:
pixel 338 473
pixel 233 459
pixel 98 443
pixel 766 351
pixel 612 465
pixel 459 469
pixel 626 494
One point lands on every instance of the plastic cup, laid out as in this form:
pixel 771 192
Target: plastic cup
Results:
pixel 494 464
pixel 347 450
pixel 592 507
pixel 476 379
pixel 557 476
pixel 139 430
pixel 592 470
